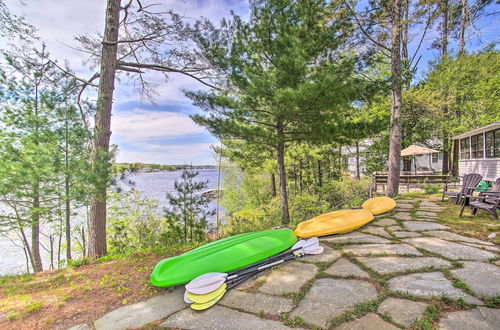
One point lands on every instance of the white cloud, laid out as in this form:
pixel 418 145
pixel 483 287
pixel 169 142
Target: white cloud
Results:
pixel 140 124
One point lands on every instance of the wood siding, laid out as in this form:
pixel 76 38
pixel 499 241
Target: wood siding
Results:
pixel 488 168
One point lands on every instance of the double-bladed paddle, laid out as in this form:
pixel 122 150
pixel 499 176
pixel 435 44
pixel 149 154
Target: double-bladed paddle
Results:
pixel 204 301
pixel 210 281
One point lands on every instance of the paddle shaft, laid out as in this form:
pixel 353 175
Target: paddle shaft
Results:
pixel 260 268
pixel 263 261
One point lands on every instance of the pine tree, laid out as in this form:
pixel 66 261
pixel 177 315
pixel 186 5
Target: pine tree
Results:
pixel 289 79
pixel 188 212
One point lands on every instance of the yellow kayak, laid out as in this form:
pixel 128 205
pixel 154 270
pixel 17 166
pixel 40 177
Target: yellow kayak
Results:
pixel 379 205
pixel 336 222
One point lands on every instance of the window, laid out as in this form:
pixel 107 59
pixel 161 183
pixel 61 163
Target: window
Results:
pixel 492 143
pixel 477 146
pixel 435 157
pixel 464 148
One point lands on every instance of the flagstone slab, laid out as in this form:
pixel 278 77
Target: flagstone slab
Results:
pixel 384 222
pixel 377 231
pixel 344 267
pixel 429 285
pixel 480 318
pixel 426 214
pixel 355 237
pixel 144 312
pixel 429 204
pixel 257 302
pixel 482 278
pixel 402 311
pixel 370 321
pixel 450 250
pixel 431 208
pixel 491 248
pixel 289 278
pixel 329 298
pixel 328 255
pixel 219 317
pixel 422 225
pixel 394 228
pixel 387 265
pixel 253 280
pixel 402 216
pixel 367 249
pixel 404 206
pixel 456 237
pixel 406 234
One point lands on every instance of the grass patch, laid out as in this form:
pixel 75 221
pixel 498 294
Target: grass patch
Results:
pixel 32 301
pixel 356 312
pixel 479 226
pixel 492 302
pixel 34 306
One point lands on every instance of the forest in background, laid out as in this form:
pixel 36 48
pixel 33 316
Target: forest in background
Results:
pixel 283 91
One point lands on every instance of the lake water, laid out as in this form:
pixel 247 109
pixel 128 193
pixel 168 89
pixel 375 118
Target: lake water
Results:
pixel 154 185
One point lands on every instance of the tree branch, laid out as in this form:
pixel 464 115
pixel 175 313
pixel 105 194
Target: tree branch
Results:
pixel 162 68
pixel 364 31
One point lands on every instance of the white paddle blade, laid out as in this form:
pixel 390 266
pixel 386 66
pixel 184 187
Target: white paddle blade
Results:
pixel 206 283
pixel 313 241
pixel 186 299
pixel 298 244
pixel 318 250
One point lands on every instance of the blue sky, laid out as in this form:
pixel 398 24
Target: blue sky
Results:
pixel 162 132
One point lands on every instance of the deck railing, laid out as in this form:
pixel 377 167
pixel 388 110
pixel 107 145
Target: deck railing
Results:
pixel 414 180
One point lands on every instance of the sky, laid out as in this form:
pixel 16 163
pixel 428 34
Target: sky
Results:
pixel 161 131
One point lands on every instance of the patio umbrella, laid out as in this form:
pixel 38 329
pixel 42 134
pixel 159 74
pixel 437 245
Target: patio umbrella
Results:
pixel 414 150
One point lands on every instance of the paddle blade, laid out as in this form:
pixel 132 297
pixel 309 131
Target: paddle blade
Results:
pixel 206 283
pixel 318 250
pixel 204 298
pixel 186 299
pixel 200 307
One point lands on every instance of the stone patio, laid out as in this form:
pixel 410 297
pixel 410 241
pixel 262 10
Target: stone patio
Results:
pixel 413 253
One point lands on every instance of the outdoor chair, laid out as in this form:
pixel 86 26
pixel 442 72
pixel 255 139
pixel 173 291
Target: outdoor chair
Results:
pixel 469 183
pixel 487 200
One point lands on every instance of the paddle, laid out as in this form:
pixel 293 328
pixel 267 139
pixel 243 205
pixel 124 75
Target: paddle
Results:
pixel 209 282
pixel 204 301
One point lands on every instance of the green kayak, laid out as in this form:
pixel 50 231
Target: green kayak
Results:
pixel 223 255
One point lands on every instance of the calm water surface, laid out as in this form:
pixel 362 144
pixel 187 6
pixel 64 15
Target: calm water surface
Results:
pixel 153 185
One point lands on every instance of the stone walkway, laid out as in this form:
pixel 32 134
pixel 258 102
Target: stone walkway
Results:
pixel 387 275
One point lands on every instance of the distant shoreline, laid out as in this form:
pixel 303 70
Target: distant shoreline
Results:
pixel 149 168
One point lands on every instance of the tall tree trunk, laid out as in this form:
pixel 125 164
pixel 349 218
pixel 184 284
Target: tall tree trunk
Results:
pixel 463 24
pixel 35 230
pixel 273 184
pixel 444 53
pixel 67 213
pixel 358 172
pixel 406 24
pixel 285 216
pixel 444 27
pixel 102 132
pixel 454 163
pixel 27 247
pixel 66 190
pixel 397 100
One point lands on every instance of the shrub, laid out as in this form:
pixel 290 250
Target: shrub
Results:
pixel 346 192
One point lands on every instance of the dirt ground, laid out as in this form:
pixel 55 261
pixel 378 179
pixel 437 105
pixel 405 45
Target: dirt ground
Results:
pixel 62 298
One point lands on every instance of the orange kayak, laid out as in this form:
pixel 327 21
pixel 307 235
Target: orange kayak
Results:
pixel 336 222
